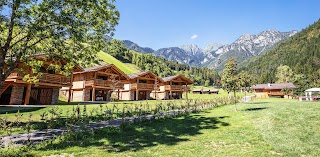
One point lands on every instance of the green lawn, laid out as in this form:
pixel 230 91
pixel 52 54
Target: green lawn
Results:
pixel 125 67
pixel 264 127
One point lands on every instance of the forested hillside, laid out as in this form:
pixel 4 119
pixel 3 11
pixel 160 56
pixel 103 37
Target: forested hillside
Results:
pixel 301 53
pixel 161 66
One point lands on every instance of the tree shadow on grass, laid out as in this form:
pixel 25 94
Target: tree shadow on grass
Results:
pixel 257 102
pixel 168 131
pixel 256 109
pixel 14 109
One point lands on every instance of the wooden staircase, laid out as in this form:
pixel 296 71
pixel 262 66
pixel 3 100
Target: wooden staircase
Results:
pixel 5 86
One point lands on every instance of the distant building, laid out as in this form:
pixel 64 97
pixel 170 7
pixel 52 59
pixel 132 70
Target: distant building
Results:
pixel 273 89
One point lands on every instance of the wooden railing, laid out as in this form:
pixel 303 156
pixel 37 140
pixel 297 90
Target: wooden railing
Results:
pixel 56 79
pixel 104 83
pixel 176 87
pixel 276 93
pixel 144 86
pixel 46 78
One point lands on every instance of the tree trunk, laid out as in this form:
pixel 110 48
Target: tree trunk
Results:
pixel 245 94
pixel 235 100
pixel 1 86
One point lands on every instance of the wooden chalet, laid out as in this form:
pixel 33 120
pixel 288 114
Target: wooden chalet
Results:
pixel 16 91
pixel 173 87
pixel 272 89
pixel 140 86
pixel 96 83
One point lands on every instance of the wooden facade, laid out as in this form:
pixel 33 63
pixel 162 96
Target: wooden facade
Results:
pixel 96 83
pixel 16 91
pixel 271 90
pixel 172 87
pixel 140 86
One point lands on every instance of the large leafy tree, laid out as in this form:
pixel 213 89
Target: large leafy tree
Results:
pixel 229 78
pixel 71 29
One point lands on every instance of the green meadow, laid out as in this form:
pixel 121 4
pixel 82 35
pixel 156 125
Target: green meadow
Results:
pixel 263 127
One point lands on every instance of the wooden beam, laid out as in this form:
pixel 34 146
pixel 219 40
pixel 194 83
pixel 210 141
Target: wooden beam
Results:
pixel 70 89
pixel 187 91
pixel 28 92
pixel 118 94
pixel 170 90
pixel 137 94
pixel 93 98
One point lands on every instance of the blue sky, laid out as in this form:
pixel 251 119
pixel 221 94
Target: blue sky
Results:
pixel 168 23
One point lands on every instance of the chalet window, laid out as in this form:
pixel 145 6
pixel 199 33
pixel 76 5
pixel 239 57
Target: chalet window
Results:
pixel 175 83
pixel 142 81
pixel 43 70
pixel 102 77
pixel 51 71
pixel 260 90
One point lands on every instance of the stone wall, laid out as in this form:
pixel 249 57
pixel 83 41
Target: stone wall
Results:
pixel 86 96
pixel 16 95
pixel 148 95
pixel 55 96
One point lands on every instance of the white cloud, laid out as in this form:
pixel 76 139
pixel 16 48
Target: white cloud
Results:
pixel 194 36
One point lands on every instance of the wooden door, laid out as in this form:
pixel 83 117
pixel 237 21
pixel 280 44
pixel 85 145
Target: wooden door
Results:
pixel 142 95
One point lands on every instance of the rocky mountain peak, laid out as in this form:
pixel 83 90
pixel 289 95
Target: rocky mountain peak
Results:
pixel 211 47
pixel 193 49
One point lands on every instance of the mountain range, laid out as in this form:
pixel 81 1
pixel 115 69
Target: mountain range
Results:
pixel 214 55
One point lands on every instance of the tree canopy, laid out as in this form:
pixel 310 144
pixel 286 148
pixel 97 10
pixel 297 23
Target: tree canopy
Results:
pixel 71 29
pixel 284 74
pixel 229 76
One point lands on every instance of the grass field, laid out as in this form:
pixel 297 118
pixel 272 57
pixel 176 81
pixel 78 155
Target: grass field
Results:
pixel 264 127
pixel 125 67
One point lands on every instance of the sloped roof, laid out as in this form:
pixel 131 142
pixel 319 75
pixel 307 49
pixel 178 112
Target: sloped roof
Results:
pixel 139 74
pixel 313 90
pixel 274 86
pixel 97 68
pixel 45 56
pixel 104 66
pixel 170 78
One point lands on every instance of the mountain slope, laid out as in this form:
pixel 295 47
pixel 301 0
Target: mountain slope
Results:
pixel 133 46
pixel 188 54
pixel 247 46
pixel 301 53
pixel 127 68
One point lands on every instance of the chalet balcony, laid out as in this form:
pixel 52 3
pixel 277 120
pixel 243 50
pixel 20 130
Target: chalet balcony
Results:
pixel 277 94
pixel 46 79
pixel 176 87
pixel 142 86
pixel 104 83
